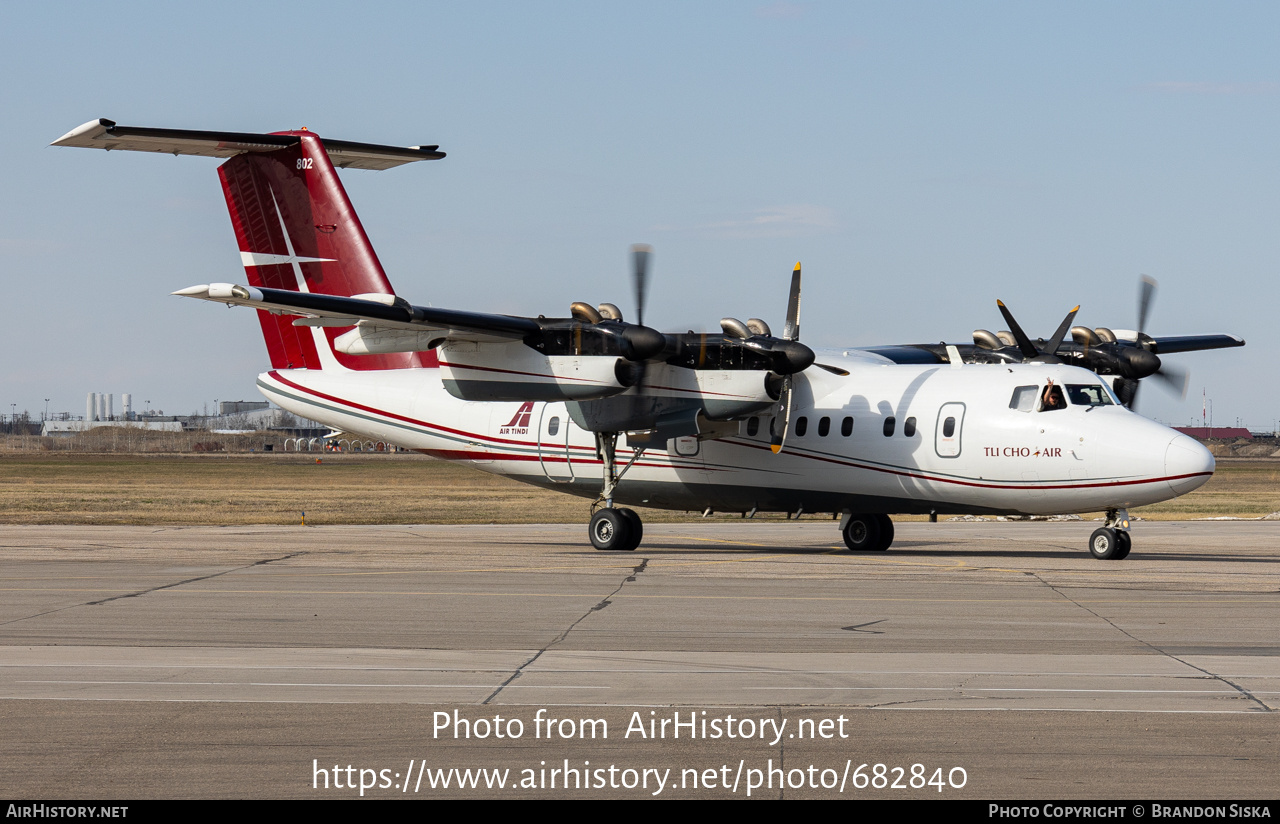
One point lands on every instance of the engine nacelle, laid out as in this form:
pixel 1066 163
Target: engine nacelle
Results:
pixel 673 399
pixel 722 394
pixel 514 372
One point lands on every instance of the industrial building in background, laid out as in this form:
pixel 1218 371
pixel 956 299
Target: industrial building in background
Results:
pixel 230 417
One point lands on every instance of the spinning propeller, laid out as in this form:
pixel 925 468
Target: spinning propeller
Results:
pixel 1136 360
pixel 1100 350
pixel 742 346
pixel 786 356
pixel 635 342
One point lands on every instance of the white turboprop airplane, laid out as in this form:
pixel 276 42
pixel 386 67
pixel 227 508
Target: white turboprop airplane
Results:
pixel 731 422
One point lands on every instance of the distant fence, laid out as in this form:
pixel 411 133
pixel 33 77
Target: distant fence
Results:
pixel 339 445
pixel 143 441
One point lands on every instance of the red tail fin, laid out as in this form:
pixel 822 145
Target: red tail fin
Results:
pixel 297 230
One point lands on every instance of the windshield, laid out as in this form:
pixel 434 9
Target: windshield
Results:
pixel 1088 394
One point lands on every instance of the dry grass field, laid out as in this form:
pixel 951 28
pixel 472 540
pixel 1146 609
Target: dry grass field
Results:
pixel 265 489
pixel 231 489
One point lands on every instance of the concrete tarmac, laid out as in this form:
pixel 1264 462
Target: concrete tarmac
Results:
pixel 972 660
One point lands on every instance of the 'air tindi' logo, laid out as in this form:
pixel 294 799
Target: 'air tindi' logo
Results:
pixel 519 423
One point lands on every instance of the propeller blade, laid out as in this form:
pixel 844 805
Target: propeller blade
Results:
pixel 1051 348
pixel 781 418
pixel 1175 379
pixel 835 370
pixel 1025 345
pixel 640 254
pixel 1127 391
pixel 1146 293
pixel 792 330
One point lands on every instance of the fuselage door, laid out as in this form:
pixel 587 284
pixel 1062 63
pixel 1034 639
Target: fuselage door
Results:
pixel 946 438
pixel 553 442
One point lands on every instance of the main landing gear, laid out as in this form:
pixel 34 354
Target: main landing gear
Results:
pixel 619 530
pixel 866 533
pixel 1111 542
pixel 616 530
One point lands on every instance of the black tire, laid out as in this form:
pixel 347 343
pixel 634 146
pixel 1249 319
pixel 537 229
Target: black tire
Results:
pixel 636 527
pixel 886 531
pixel 1126 544
pixel 609 530
pixel 862 534
pixel 1104 543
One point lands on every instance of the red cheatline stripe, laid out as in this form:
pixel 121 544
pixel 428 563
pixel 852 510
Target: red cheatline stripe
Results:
pixel 837 461
pixel 943 479
pixel 469 435
pixel 425 424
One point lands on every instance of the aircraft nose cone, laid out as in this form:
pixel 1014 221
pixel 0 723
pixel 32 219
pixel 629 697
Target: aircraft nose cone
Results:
pixel 1187 464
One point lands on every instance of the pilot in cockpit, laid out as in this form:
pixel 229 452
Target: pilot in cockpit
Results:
pixel 1052 398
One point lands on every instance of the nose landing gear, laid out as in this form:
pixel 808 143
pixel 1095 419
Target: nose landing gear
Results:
pixel 1112 542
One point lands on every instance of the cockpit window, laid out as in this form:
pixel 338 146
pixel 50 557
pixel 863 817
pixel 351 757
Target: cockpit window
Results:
pixel 1024 399
pixel 1051 398
pixel 1088 394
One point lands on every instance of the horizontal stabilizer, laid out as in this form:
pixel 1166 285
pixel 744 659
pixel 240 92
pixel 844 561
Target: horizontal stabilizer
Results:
pixel 345 154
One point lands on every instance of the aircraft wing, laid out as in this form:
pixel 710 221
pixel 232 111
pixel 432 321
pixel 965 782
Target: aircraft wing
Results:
pixel 370 312
pixel 345 154
pixel 1194 343
pixel 924 353
pixel 911 353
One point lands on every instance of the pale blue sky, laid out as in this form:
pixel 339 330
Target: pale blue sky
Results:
pixel 921 159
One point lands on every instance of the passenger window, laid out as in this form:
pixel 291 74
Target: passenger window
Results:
pixel 846 427
pixel 948 427
pixel 824 427
pixel 909 427
pixel 802 426
pixel 753 427
pixel 1024 399
pixel 889 423
pixel 554 426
